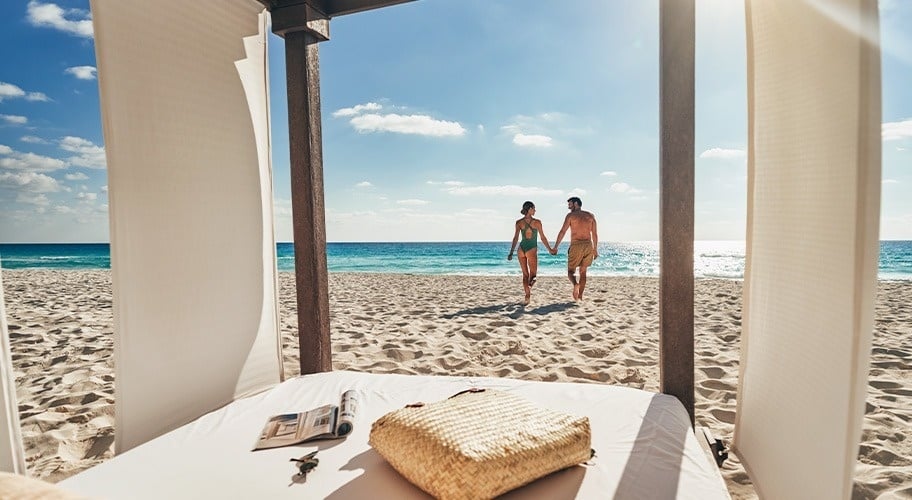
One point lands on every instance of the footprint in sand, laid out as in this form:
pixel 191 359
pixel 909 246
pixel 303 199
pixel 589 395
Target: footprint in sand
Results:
pixel 598 352
pixel 724 416
pixel 449 363
pixel 716 385
pixel 713 372
pixel 402 354
pixel 574 372
pixel 475 335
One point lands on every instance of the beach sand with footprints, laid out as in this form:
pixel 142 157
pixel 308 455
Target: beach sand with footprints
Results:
pixel 61 339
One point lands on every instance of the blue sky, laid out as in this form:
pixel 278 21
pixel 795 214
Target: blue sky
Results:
pixel 440 117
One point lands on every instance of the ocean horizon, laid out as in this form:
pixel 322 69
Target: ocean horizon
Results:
pixel 712 259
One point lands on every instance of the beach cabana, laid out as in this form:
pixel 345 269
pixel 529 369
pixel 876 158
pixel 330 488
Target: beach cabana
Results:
pixel 197 352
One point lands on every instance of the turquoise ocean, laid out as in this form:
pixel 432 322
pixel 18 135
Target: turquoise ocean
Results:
pixel 712 259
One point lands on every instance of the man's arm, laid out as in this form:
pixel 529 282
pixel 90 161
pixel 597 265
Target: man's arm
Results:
pixel 560 235
pixel 594 238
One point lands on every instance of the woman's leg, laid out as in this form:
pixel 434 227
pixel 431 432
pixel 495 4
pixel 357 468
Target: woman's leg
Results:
pixel 532 257
pixel 524 265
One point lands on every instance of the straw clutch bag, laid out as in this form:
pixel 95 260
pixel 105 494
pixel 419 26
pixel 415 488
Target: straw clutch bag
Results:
pixel 479 443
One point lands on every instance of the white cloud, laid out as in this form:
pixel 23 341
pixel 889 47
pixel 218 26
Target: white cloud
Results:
pixel 32 139
pixel 890 181
pixel 14 119
pixel 511 129
pixel 412 202
pixel 78 176
pixel 525 122
pixel 892 131
pixel 87 154
pixel 446 183
pixel 105 189
pixel 609 173
pixel 87 196
pixel 480 129
pixel 31 182
pixel 49 15
pixel 357 110
pixel 281 207
pixel 82 72
pixel 8 90
pixel 364 184
pixel 28 161
pixel 507 190
pixel 623 187
pixel 63 209
pixel 539 141
pixel 407 124
pixel 33 199
pixel 577 192
pixel 538 130
pixel 724 154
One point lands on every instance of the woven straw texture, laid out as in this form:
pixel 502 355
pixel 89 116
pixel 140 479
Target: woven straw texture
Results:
pixel 479 444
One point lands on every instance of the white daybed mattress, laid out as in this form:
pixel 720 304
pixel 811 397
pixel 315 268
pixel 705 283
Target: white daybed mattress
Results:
pixel 644 443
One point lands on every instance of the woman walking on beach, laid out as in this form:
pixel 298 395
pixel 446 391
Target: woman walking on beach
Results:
pixel 530 229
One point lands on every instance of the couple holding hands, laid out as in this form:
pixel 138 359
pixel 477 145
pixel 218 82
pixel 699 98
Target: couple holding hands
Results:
pixel 583 245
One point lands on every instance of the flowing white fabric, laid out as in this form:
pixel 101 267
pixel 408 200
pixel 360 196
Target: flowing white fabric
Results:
pixel 812 243
pixel 645 447
pixel 185 113
pixel 12 455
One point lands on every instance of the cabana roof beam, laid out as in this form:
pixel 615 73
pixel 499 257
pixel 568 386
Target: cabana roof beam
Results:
pixel 332 8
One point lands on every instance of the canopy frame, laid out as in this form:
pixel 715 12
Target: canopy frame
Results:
pixel 305 23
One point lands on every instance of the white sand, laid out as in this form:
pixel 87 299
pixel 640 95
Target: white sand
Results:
pixel 61 326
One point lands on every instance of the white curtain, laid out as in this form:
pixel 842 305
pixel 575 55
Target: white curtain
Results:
pixel 185 110
pixel 12 455
pixel 812 243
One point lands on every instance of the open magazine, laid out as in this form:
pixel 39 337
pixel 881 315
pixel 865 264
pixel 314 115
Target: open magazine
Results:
pixel 325 422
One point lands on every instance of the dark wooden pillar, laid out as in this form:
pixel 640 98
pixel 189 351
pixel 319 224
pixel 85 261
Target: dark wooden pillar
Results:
pixel 303 28
pixel 303 24
pixel 676 152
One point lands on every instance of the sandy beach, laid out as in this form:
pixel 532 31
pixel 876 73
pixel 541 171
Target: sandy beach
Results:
pixel 61 338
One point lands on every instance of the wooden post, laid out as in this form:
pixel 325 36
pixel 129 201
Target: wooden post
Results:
pixel 303 24
pixel 676 152
pixel 302 66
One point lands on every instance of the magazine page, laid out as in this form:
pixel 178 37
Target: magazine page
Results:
pixel 320 422
pixel 293 428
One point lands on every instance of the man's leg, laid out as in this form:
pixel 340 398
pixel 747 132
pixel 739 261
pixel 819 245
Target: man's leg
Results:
pixel 571 273
pixel 582 281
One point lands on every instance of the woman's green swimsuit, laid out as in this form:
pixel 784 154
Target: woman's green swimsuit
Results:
pixel 529 243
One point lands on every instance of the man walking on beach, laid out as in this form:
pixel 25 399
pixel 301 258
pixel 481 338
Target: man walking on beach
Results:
pixel 583 244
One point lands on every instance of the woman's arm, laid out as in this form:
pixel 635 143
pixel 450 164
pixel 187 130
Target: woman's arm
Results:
pixel 541 233
pixel 515 239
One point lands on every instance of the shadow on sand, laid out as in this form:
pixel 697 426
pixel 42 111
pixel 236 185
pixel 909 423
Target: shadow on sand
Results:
pixel 512 310
pixel 508 309
pixel 552 308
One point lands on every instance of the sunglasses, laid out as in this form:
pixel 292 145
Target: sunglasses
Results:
pixel 306 463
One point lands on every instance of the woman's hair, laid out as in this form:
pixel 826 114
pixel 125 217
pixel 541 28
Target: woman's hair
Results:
pixel 526 206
